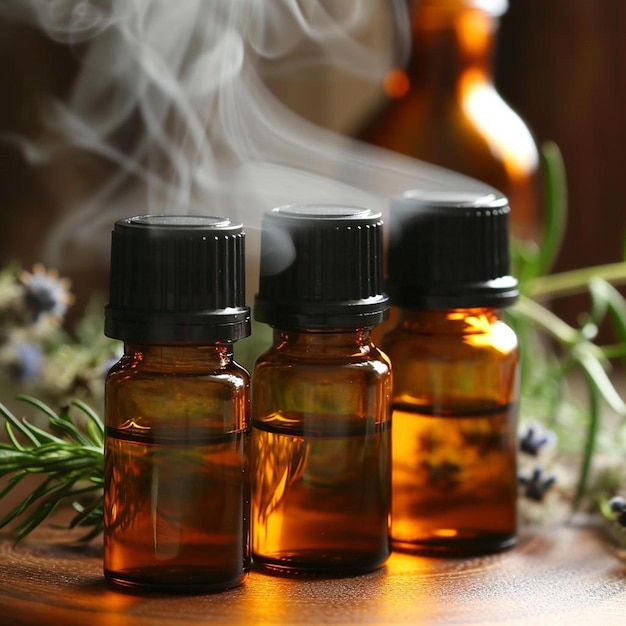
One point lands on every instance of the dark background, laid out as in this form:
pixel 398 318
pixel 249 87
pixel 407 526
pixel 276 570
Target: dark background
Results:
pixel 562 65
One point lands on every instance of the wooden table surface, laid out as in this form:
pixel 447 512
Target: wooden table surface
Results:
pixel 561 575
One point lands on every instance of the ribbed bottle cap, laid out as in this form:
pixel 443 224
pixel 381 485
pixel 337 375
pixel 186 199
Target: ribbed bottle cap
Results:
pixel 177 279
pixel 449 250
pixel 321 267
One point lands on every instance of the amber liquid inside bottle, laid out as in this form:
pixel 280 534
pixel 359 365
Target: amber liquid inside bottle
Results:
pixel 452 483
pixel 444 109
pixel 177 501
pixel 321 455
pixel 454 476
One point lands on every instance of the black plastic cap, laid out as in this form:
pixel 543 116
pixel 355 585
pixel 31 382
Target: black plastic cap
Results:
pixel 321 267
pixel 450 250
pixel 177 279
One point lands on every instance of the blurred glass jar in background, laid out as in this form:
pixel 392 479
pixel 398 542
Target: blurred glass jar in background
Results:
pixel 444 108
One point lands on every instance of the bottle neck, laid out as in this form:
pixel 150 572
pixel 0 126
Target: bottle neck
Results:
pixel 181 357
pixel 312 342
pixel 453 42
pixel 450 321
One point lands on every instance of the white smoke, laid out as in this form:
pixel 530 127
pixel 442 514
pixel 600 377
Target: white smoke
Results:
pixel 171 96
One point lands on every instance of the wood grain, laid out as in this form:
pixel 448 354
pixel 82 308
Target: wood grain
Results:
pixel 566 574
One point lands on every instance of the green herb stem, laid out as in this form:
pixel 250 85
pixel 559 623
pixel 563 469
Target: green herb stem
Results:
pixel 573 282
pixel 541 317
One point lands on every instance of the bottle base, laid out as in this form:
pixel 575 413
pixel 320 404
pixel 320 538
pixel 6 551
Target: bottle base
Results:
pixel 182 581
pixel 457 546
pixel 325 565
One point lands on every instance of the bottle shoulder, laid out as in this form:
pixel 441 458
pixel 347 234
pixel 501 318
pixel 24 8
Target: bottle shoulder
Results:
pixel 131 373
pixel 496 340
pixel 277 358
pixel 276 369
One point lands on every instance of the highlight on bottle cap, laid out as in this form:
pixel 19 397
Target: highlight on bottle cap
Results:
pixel 450 250
pixel 321 267
pixel 177 278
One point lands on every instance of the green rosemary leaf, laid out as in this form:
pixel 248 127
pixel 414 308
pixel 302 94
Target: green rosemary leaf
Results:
pixel 97 480
pixel 574 282
pixel 85 514
pixel 39 405
pixel 590 442
pixel 541 317
pixel 95 436
pixel 47 496
pixel 11 460
pixel 71 431
pixel 95 427
pixel 555 207
pixel 598 378
pixel 615 351
pixel 12 437
pixel 65 424
pixel 54 459
pixel 12 482
pixel 44 510
pixel 614 305
pixel 39 491
pixel 609 300
pixel 13 421
pixel 43 435
pixel 524 260
pixel 599 300
pixel 532 260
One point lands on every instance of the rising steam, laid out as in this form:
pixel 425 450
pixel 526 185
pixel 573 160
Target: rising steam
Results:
pixel 171 95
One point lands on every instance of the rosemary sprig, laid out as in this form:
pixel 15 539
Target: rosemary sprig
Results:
pixel 551 348
pixel 70 464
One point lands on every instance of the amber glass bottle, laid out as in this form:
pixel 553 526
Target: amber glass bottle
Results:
pixel 320 395
pixel 454 483
pixel 177 495
pixel 444 109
